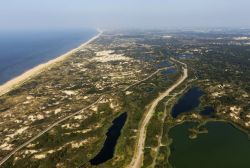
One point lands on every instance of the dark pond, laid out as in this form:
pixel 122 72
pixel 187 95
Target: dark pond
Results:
pixel 107 151
pixel 187 102
pixel 165 73
pixel 208 111
pixel 169 71
pixel 163 64
pixel 224 146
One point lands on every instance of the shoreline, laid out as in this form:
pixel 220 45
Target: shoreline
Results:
pixel 19 80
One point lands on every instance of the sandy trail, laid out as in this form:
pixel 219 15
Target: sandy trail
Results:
pixel 5 88
pixel 17 81
pixel 46 130
pixel 137 159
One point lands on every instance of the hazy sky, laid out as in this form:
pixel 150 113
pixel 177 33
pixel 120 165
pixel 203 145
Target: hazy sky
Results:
pixel 54 14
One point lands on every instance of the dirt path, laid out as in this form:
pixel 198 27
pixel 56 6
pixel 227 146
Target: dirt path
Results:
pixel 137 159
pixel 46 130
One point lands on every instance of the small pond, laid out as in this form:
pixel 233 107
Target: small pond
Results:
pixel 189 101
pixel 108 149
pixel 163 64
pixel 169 71
pixel 208 111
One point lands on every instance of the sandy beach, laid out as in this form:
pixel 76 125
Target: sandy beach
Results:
pixel 19 80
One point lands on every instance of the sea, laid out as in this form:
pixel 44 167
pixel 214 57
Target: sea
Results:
pixel 23 50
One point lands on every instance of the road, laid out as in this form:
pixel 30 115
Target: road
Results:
pixel 150 76
pixel 161 133
pixel 137 159
pixel 9 86
pixel 46 130
pixel 67 117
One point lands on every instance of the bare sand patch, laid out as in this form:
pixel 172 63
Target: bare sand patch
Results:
pixel 109 55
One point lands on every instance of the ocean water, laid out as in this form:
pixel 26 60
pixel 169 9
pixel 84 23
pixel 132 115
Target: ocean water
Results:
pixel 21 51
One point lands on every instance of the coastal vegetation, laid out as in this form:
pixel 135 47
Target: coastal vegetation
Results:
pixel 79 98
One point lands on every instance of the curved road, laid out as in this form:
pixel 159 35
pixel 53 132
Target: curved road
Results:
pixel 138 155
pixel 137 159
pixel 150 76
pixel 67 117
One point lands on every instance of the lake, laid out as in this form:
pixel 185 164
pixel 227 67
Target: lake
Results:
pixel 224 146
